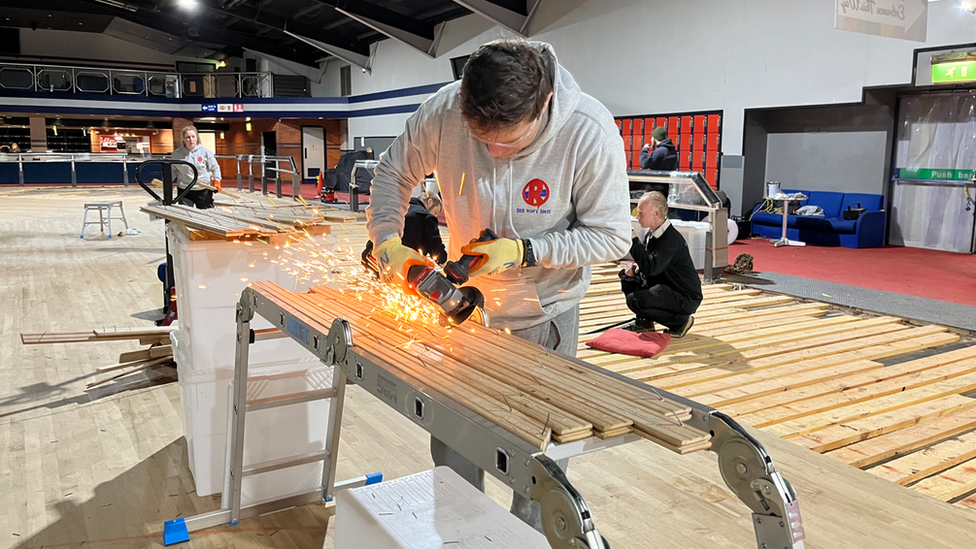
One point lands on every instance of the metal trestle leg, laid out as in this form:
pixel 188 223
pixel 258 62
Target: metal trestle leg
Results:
pixel 231 511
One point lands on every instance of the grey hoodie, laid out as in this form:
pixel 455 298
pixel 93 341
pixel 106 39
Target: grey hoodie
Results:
pixel 567 192
pixel 207 168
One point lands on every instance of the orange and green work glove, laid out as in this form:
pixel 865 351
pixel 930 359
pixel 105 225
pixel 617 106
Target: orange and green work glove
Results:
pixel 496 255
pixel 216 183
pixel 395 260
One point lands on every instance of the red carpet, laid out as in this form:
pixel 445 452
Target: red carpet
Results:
pixel 930 274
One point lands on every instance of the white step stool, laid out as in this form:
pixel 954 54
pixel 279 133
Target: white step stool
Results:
pixel 429 510
pixel 104 210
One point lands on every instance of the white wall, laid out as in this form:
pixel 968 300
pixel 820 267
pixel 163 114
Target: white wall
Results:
pixel 851 162
pixel 87 45
pixel 642 56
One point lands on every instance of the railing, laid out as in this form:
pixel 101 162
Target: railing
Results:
pixel 64 79
pixel 258 166
pixel 265 164
pixel 72 158
pixel 227 84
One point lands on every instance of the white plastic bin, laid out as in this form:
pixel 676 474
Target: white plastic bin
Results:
pixel 695 233
pixel 210 275
pixel 284 432
pixel 429 510
pixel 206 401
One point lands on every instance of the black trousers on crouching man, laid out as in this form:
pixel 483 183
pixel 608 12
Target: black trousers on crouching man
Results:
pixel 659 303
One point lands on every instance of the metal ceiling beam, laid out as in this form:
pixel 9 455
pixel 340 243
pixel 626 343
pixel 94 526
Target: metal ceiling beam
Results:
pixel 284 25
pixel 415 33
pixel 502 12
pixel 350 57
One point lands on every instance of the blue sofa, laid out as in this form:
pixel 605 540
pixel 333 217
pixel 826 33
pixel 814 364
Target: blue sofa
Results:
pixel 867 231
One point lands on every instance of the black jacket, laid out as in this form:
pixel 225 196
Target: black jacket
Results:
pixel 666 260
pixel 664 157
pixel 420 232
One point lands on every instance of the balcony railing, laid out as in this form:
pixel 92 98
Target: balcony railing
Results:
pixel 63 79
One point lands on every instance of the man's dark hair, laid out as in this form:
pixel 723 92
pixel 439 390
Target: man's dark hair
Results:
pixel 505 82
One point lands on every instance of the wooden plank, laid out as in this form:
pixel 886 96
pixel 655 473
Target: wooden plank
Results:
pixel 929 461
pixel 829 333
pixel 844 414
pixel 859 390
pixel 850 432
pixel 950 484
pixel 154 352
pixel 870 452
pixel 761 389
pixel 709 376
pixel 93 335
pixel 853 381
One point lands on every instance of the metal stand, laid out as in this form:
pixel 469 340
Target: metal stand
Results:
pixel 783 241
pixel 528 470
pixel 177 530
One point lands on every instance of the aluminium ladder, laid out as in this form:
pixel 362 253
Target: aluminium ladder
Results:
pixel 231 512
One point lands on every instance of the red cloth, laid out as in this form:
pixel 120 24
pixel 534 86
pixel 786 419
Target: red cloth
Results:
pixel 618 340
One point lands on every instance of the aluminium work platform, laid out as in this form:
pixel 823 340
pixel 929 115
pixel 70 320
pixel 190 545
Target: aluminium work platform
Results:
pixel 506 454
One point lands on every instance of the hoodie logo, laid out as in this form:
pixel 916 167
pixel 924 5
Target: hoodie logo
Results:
pixel 535 193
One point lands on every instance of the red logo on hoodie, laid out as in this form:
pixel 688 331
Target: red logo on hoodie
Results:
pixel 535 192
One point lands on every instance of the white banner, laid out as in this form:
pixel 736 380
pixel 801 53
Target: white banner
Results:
pixel 904 19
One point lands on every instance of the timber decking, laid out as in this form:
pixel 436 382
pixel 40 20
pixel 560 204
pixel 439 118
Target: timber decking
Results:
pixel 811 375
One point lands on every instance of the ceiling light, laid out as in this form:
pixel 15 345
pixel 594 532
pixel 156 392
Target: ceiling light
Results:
pixel 188 5
pixel 969 6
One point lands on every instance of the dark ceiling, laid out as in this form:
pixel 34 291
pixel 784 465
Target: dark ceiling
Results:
pixel 223 28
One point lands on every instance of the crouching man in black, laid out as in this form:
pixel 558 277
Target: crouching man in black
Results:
pixel 663 285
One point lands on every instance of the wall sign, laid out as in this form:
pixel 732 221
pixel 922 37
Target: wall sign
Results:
pixel 904 19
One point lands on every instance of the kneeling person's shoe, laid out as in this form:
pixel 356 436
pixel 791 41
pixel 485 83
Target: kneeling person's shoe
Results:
pixel 640 325
pixel 685 328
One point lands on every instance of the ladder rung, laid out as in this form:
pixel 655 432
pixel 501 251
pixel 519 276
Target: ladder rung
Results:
pixel 268 333
pixel 284 463
pixel 293 398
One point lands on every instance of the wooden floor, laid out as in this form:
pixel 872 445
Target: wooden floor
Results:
pixel 105 473
pixel 850 386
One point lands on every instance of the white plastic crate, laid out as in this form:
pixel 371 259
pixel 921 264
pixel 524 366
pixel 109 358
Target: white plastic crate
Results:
pixel 206 401
pixel 210 275
pixel 429 510
pixel 695 233
pixel 283 432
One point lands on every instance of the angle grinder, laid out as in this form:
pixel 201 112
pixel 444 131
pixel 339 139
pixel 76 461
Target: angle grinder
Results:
pixel 456 303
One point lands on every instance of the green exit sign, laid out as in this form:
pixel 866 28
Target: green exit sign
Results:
pixel 957 71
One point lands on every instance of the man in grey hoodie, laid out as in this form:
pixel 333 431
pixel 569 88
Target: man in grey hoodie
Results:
pixel 518 148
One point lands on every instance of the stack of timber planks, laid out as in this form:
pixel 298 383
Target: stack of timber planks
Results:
pixel 244 222
pixel 815 376
pixel 534 394
pixel 159 353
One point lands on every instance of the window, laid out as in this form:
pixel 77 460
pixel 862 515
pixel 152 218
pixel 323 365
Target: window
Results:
pixel 345 78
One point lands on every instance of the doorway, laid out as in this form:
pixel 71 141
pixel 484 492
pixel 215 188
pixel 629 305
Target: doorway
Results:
pixel 313 152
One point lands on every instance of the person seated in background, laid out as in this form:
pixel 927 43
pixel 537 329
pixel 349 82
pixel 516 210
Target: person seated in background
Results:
pixel 662 285
pixel 15 149
pixel 4 149
pixel 660 153
pixel 420 228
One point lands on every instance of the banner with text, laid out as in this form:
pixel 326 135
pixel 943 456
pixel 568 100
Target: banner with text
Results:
pixel 904 19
